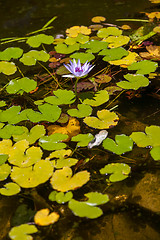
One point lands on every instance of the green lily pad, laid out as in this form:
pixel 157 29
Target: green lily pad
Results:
pixel 10 189
pixel 32 56
pixel 83 139
pixel 61 97
pixel 83 57
pixel 117 41
pixel 60 197
pixel 9 130
pixel 100 97
pixel 105 32
pixel 21 85
pixel 118 171
pixel 30 177
pixel 53 142
pixel 105 119
pixel 11 52
pixel 7 68
pixel 96 198
pixel 82 111
pixel 5 170
pixel 94 46
pixel 64 49
pixel 22 232
pixel 143 67
pixel 61 154
pixel 113 53
pixel 64 162
pixel 3 158
pixel 35 133
pixel 83 209
pixel 13 115
pixel 155 153
pixel 133 81
pixel 48 112
pixel 36 41
pixel 2 103
pixel 121 144
pixel 80 38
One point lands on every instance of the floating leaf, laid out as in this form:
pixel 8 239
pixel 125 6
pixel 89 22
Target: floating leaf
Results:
pixel 134 81
pixel 7 68
pixel 66 162
pixel 53 142
pixel 105 32
pixel 5 170
pixel 117 41
pixel 96 198
pixel 143 67
pixel 121 145
pixel 83 139
pixel 83 209
pixel 32 56
pixel 100 97
pixel 80 38
pixel 75 30
pixel 98 19
pixel 21 85
pixel 11 52
pixel 155 153
pixel 44 218
pixel 10 189
pixel 32 176
pixel 95 46
pixel 61 97
pixel 60 197
pixel 62 180
pixel 3 158
pixel 128 60
pixel 61 154
pixel 82 111
pixel 113 54
pixel 13 115
pixel 106 119
pixel 63 48
pixel 118 171
pixel 83 57
pixel 22 232
pixel 2 103
pixel 48 112
pixel 9 130
pixel 36 41
pixel 35 133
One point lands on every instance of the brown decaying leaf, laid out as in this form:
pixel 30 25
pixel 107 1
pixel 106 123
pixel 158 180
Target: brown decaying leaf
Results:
pixel 103 78
pixel 153 53
pixel 71 129
pixel 84 86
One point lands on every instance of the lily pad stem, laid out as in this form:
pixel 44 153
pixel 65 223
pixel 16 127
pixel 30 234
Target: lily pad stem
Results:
pixel 75 86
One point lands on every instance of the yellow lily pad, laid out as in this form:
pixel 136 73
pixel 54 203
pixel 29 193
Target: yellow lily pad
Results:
pixel 117 41
pixel 105 119
pixel 75 30
pixel 128 60
pixel 98 19
pixel 43 218
pixel 62 180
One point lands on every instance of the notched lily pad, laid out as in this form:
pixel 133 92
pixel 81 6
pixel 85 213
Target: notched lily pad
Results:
pixel 63 48
pixel 7 68
pixel 21 85
pixel 143 67
pixel 53 142
pixel 22 232
pixel 105 32
pixel 36 41
pixel 11 52
pixel 10 189
pixel 9 130
pixel 60 197
pixel 100 97
pixel 44 218
pixel 94 46
pixel 118 171
pixel 32 56
pixel 83 57
pixel 82 111
pixel 61 97
pixel 113 54
pixel 133 81
pixel 83 139
pixel 5 170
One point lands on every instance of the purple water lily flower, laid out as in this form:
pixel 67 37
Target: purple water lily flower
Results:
pixel 77 70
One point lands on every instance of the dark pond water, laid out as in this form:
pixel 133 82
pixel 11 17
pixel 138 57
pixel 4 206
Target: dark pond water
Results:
pixel 121 220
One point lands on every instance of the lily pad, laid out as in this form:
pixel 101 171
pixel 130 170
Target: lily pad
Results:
pixel 143 67
pixel 61 154
pixel 113 54
pixel 22 232
pixel 36 41
pixel 105 32
pixel 82 111
pixel 94 46
pixel 21 85
pixel 32 56
pixel 10 189
pixel 61 97
pixel 118 171
pixel 100 97
pixel 53 142
pixel 7 68
pixel 62 180
pixel 121 144
pixel 11 52
pixel 80 39
pixel 75 30
pixel 44 218
pixel 35 133
pixel 83 139
pixel 125 61
pixel 13 115
pixel 83 57
pixel 9 130
pixel 2 103
pixel 30 177
pixel 60 197
pixel 3 158
pixel 105 119
pixel 64 49
pixel 133 81
pixel 117 41
pixel 5 170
